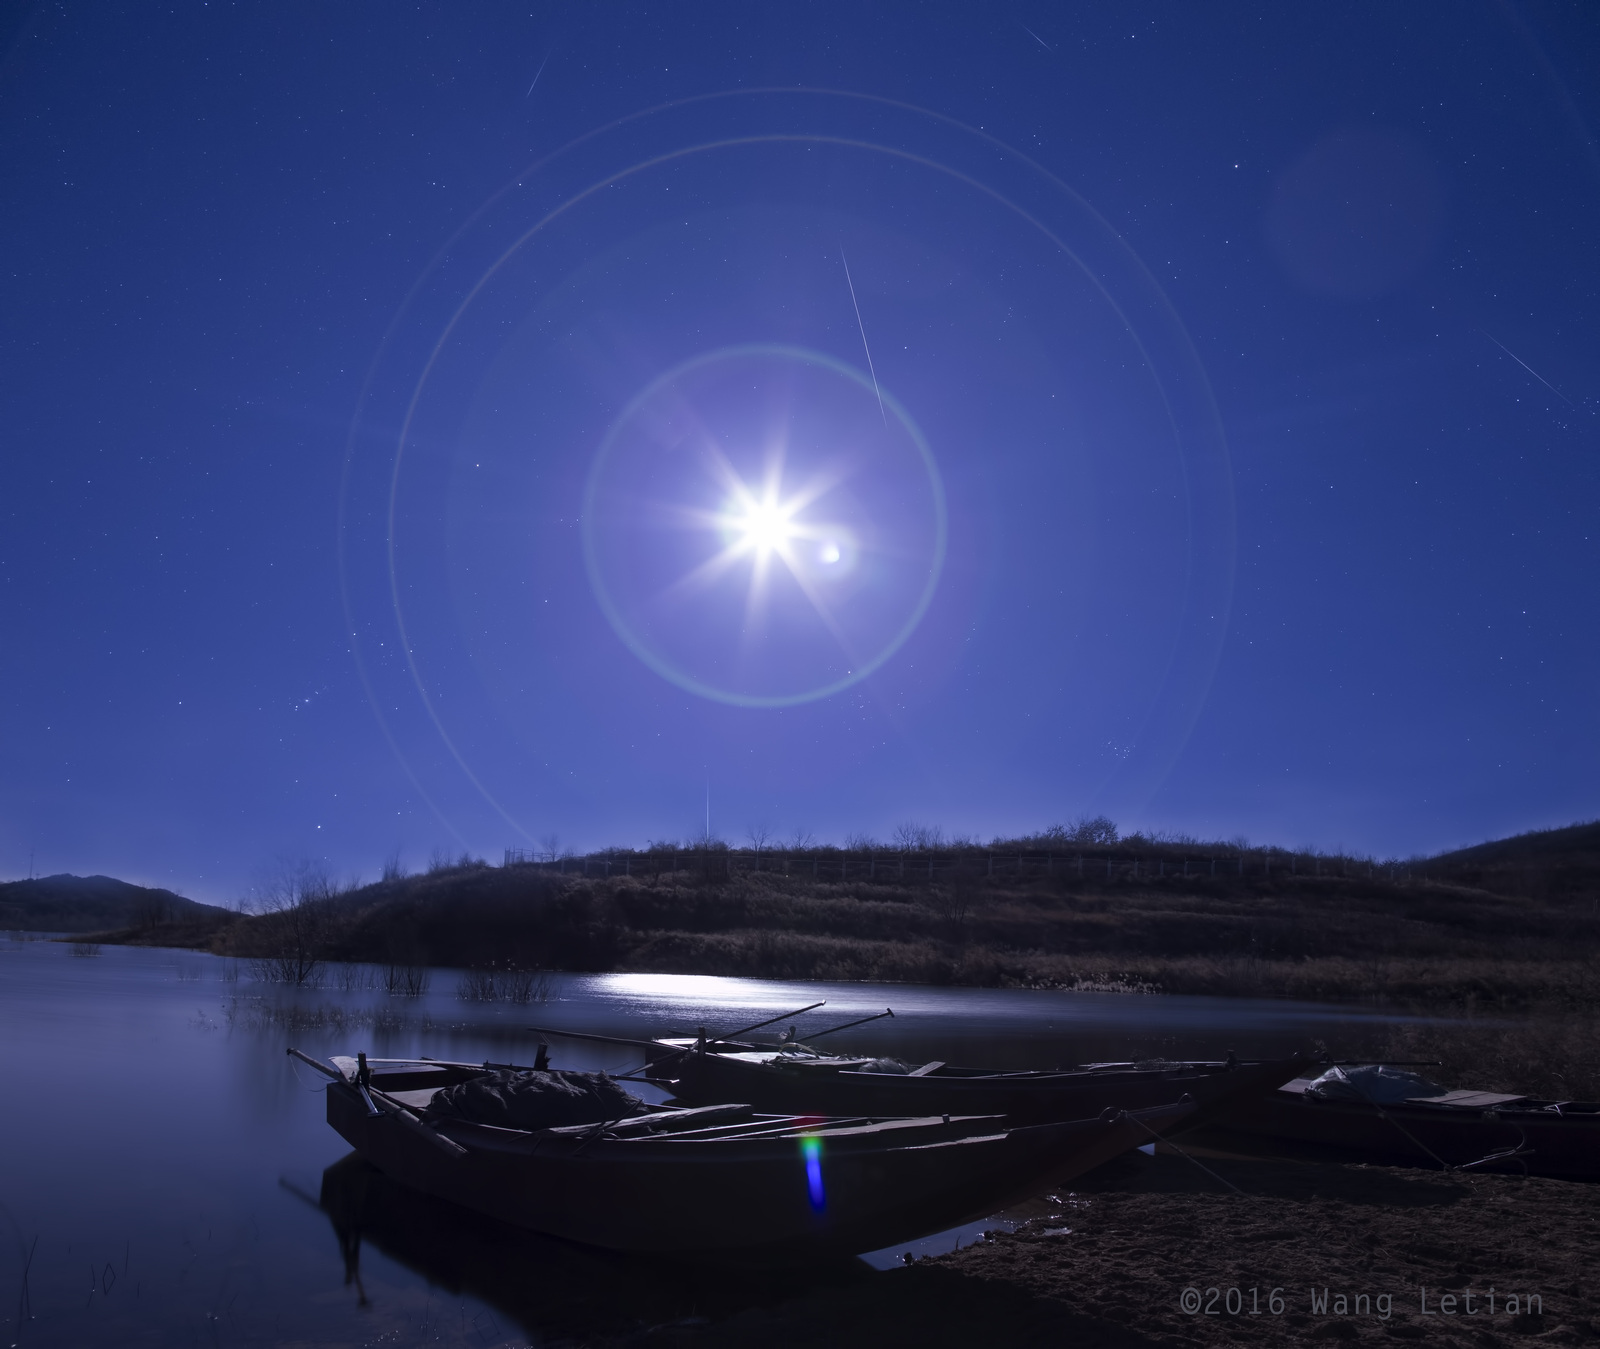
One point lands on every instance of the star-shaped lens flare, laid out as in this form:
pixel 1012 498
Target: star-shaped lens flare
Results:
pixel 763 525
pixel 753 530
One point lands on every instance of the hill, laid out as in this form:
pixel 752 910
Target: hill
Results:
pixel 95 904
pixel 1162 917
pixel 1555 865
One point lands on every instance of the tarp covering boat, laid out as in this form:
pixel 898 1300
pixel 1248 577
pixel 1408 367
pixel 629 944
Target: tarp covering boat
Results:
pixel 1371 1082
pixel 535 1099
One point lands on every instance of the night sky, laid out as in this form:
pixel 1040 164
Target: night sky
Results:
pixel 452 428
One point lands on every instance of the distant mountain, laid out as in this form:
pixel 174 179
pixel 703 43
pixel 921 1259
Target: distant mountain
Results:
pixel 93 904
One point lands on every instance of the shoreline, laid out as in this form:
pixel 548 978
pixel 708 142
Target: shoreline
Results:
pixel 1551 1051
pixel 1131 1255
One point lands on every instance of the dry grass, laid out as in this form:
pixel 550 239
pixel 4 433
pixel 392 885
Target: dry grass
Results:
pixel 1421 938
pixel 1552 1056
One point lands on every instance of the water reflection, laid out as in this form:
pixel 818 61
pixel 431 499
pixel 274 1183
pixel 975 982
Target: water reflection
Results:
pixel 548 1289
pixel 155 1115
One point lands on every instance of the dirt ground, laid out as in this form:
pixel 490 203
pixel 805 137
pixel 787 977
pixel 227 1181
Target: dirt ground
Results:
pixel 1148 1250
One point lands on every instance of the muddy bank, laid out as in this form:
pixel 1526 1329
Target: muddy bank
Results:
pixel 1503 1260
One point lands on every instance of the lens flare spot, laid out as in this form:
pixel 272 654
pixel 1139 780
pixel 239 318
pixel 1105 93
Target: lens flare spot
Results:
pixel 811 1150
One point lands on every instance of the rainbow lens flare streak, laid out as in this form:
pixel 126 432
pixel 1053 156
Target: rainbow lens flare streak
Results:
pixel 811 1150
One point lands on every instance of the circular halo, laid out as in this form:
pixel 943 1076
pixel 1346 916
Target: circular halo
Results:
pixel 628 630
pixel 1123 280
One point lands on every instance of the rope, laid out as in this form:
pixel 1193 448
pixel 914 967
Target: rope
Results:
pixel 1444 1165
pixel 1153 1134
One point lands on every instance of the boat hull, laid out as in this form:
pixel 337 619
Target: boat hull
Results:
pixel 1566 1147
pixel 741 1199
pixel 1022 1099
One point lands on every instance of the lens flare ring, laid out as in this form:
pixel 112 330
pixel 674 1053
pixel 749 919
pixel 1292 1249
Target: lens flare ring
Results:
pixel 762 526
pixel 1208 480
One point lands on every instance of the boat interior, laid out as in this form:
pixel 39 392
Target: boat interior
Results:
pixel 413 1083
pixel 1473 1101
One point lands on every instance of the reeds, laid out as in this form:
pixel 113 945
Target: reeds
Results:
pixel 520 987
pixel 259 1014
pixel 84 948
pixel 405 981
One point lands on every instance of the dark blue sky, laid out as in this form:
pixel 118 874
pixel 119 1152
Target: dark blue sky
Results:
pixel 344 507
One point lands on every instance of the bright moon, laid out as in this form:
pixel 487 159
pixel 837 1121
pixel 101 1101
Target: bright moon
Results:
pixel 764 525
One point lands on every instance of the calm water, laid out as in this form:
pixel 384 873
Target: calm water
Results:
pixel 167 1177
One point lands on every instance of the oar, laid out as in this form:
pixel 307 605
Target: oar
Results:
pixel 677 1054
pixel 582 1035
pixel 887 1011
pixel 782 1016
pixel 321 1067
pixel 395 1109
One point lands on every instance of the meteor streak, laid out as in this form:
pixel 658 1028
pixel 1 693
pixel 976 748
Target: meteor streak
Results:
pixel 537 73
pixel 1547 384
pixel 863 328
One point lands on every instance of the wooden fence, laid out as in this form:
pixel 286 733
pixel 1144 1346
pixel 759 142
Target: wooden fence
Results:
pixel 899 867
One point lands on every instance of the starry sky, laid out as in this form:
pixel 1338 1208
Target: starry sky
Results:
pixel 443 428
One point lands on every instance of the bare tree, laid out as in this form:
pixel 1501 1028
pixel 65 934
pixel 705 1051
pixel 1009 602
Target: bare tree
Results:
pixel 393 868
pixel 760 836
pixel 856 841
pixel 802 840
pixel 1098 831
pixel 152 910
pixel 294 902
pixel 549 847
pixel 912 837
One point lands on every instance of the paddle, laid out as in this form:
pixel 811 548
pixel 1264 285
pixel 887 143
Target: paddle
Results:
pixel 782 1016
pixel 704 1039
pixel 395 1109
pixel 887 1011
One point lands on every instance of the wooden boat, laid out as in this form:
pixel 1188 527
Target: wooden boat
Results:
pixel 721 1181
pixel 797 1079
pixel 1478 1130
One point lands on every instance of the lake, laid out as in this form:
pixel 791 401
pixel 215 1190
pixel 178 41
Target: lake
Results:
pixel 168 1178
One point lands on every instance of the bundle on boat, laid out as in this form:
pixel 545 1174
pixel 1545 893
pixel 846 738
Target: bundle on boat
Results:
pixel 535 1099
pixel 721 1181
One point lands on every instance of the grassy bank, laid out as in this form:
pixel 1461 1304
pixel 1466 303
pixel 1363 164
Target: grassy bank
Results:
pixel 1434 934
